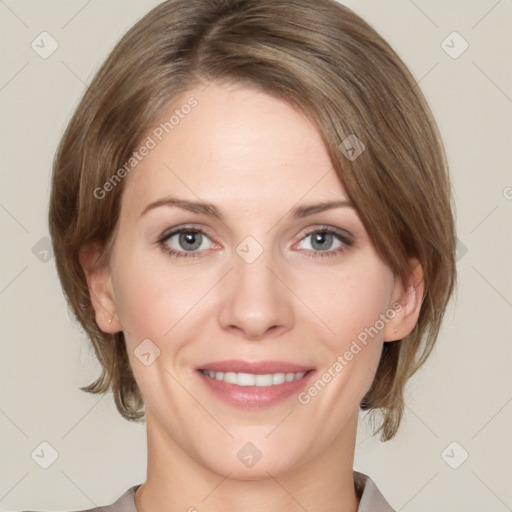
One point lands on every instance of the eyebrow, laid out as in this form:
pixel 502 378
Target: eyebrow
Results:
pixel 192 206
pixel 305 210
pixel 206 208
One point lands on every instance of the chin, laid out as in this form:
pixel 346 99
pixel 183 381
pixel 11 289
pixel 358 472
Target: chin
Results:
pixel 261 470
pixel 246 461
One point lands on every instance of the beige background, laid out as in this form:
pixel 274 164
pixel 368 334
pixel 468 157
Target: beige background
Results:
pixel 464 394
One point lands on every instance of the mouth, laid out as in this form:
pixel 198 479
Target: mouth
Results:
pixel 254 379
pixel 254 385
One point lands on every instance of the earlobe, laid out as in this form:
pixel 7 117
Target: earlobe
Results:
pixel 99 283
pixel 407 301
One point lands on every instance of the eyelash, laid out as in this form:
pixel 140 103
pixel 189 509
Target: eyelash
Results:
pixel 345 239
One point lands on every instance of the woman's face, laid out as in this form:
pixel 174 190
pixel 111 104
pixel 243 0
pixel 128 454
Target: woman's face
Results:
pixel 238 253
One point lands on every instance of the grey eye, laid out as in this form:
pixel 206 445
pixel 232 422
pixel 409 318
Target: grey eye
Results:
pixel 321 241
pixel 188 240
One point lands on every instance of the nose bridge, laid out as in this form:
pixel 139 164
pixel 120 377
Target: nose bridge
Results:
pixel 254 301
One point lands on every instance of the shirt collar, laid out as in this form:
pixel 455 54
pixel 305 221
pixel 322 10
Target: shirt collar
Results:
pixel 371 499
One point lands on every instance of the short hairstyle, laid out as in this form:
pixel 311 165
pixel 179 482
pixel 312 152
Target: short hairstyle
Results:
pixel 322 59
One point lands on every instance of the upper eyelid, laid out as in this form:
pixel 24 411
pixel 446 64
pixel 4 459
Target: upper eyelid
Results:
pixel 178 229
pixel 346 236
pixel 332 229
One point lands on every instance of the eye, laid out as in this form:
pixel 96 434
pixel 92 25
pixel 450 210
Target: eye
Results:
pixel 326 241
pixel 185 242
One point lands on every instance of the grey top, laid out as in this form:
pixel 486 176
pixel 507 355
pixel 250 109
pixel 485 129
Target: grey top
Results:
pixel 371 499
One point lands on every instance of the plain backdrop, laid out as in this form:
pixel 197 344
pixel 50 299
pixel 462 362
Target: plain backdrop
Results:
pixel 459 405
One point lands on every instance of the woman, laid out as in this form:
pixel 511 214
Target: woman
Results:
pixel 251 218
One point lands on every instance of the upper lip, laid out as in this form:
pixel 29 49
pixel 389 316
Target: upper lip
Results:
pixel 256 367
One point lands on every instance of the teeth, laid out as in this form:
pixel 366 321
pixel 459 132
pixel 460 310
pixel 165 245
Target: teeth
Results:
pixel 251 379
pixel 278 378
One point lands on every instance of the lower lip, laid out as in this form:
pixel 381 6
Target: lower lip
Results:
pixel 255 397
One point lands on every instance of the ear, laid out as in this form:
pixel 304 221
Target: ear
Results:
pixel 99 283
pixel 407 299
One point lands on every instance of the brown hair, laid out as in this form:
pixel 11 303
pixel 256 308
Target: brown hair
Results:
pixel 324 60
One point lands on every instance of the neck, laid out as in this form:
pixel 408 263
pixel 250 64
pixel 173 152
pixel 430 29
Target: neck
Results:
pixel 175 481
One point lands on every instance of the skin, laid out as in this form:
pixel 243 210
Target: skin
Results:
pixel 255 158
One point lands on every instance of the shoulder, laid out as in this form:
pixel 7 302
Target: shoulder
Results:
pixel 371 499
pixel 125 503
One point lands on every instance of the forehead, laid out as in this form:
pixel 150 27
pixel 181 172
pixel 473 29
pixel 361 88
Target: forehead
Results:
pixel 234 143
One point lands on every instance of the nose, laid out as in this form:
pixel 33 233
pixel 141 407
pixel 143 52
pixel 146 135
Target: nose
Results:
pixel 255 303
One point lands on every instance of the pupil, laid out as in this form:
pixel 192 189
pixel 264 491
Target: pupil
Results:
pixel 190 240
pixel 322 241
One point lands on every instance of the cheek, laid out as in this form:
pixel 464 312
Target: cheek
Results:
pixel 352 304
pixel 155 301
pixel 351 301
pixel 357 320
pixel 156 298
